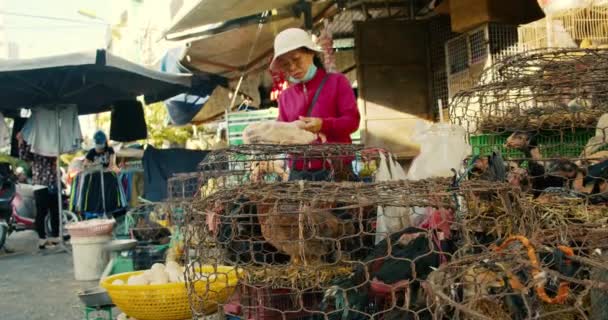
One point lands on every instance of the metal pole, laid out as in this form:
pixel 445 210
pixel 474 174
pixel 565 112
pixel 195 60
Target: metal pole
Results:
pixel 62 246
pixel 103 193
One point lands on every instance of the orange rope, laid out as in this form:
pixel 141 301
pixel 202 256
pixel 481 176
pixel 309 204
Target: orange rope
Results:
pixel 564 288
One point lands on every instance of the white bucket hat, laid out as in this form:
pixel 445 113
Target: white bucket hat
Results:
pixel 292 39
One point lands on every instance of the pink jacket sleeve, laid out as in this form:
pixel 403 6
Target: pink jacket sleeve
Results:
pixel 348 117
pixel 281 117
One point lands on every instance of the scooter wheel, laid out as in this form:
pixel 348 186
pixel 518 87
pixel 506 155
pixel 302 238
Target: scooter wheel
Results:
pixel 3 235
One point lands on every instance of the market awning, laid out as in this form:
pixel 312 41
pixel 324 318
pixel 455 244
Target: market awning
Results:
pixel 185 106
pixel 92 80
pixel 228 53
pixel 204 12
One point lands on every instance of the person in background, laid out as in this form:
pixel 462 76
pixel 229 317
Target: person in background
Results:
pixel 44 173
pixel 102 154
pixel 323 102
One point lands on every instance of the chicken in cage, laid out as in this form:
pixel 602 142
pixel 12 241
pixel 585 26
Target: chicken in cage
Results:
pixel 544 122
pixel 305 247
pixel 520 278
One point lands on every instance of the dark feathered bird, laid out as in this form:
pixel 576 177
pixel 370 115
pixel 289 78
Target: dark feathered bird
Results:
pixel 408 255
pixel 490 168
pixel 346 299
pixel 591 182
pixel 526 142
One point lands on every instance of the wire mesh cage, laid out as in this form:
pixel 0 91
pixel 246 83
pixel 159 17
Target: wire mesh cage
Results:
pixel 520 278
pixel 547 118
pixel 555 95
pixel 237 165
pixel 584 27
pixel 320 250
pixel 544 113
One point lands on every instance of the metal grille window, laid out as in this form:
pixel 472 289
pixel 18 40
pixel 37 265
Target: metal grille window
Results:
pixel 458 54
pixel 479 46
pixel 441 32
pixel 470 54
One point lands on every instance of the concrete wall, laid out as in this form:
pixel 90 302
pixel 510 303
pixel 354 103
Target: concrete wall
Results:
pixel 394 82
pixel 346 59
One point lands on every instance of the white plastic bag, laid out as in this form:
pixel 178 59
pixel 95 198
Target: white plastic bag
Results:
pixel 276 132
pixel 390 219
pixel 442 148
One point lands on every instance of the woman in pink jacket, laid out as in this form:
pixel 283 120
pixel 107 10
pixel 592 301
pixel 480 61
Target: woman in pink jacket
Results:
pixel 324 102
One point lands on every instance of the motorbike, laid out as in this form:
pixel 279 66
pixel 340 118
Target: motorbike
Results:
pixel 7 193
pixel 18 207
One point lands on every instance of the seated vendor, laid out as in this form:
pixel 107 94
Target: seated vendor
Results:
pixel 102 155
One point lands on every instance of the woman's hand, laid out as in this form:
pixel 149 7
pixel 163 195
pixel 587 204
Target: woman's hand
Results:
pixel 312 124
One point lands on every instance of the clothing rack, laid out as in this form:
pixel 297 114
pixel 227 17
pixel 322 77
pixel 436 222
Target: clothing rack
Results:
pixel 79 195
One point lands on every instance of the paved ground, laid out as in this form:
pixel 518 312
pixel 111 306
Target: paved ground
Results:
pixel 36 286
pixel 40 286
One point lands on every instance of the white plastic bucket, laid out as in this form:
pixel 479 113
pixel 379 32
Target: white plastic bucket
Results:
pixel 90 258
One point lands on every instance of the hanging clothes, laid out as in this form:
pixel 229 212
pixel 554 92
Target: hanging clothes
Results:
pixel 18 124
pixel 53 131
pixel 132 182
pixel 93 195
pixel 88 195
pixel 44 169
pixel 128 121
pixel 137 188
pixel 5 137
pixel 160 165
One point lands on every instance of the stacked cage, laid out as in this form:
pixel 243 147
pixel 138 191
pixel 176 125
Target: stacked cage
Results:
pixel 312 249
pixel 235 237
pixel 552 98
pixel 542 129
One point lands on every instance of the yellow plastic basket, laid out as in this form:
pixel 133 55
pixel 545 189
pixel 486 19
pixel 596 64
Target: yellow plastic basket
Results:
pixel 170 301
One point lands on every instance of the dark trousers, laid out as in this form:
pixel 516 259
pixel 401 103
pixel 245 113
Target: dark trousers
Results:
pixel 45 206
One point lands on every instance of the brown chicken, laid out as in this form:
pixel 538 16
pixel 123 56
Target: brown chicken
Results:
pixel 304 233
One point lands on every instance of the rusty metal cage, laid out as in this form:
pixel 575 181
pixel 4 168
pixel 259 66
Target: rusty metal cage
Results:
pixel 547 117
pixel 304 247
pixel 561 91
pixel 237 165
pixel 521 279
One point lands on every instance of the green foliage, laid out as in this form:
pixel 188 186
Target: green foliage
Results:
pixel 159 131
